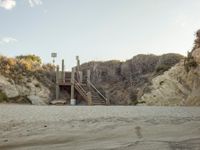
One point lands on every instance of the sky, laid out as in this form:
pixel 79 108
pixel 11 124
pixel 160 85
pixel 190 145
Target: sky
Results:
pixel 97 29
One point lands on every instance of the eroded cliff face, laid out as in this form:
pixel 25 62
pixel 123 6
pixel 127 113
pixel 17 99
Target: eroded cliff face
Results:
pixel 124 83
pixel 25 80
pixel 30 91
pixel 180 85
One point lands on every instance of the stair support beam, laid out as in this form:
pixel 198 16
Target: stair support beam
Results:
pixel 89 95
pixel 72 101
pixel 63 71
pixel 57 83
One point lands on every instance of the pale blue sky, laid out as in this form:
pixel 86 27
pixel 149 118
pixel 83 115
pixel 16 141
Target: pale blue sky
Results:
pixel 97 29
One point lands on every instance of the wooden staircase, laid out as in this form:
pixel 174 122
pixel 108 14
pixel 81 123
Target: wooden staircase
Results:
pixel 77 80
pixel 81 91
pixel 89 92
pixel 85 88
pixel 97 97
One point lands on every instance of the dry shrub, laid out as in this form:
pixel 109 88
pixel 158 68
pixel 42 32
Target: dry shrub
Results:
pixel 166 61
pixel 189 61
pixel 29 66
pixel 3 97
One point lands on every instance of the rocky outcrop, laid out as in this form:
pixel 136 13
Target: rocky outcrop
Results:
pixel 167 89
pixel 178 86
pixel 8 88
pixel 196 55
pixel 175 87
pixel 123 83
pixel 25 80
pixel 29 90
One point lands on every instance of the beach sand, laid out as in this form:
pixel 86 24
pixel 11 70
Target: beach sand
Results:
pixel 24 127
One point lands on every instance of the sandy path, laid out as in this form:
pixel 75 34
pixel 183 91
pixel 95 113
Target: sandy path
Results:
pixel 99 128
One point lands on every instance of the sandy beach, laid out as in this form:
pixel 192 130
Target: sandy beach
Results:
pixel 24 127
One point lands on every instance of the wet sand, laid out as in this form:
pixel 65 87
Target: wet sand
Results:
pixel 99 128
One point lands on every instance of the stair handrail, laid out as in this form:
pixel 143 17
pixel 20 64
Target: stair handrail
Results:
pixel 81 88
pixel 92 85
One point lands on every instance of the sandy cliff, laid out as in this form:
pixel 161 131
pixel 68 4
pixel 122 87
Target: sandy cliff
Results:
pixel 169 79
pixel 32 92
pixel 124 83
pixel 25 80
pixel 180 85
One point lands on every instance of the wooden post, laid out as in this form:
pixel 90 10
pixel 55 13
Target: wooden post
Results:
pixel 81 76
pixel 57 83
pixel 63 71
pixel 88 76
pixel 77 68
pixel 78 61
pixel 73 101
pixel 89 95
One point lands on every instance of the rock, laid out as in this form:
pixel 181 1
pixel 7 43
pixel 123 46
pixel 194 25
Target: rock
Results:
pixel 35 91
pixel 168 89
pixel 36 100
pixel 123 82
pixel 6 87
pixel 175 87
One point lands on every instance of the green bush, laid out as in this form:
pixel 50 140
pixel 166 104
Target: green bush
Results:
pixel 189 62
pixel 3 97
pixel 133 97
pixel 162 68
pixel 166 61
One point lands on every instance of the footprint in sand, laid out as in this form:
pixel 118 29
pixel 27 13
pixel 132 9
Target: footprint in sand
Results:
pixel 138 132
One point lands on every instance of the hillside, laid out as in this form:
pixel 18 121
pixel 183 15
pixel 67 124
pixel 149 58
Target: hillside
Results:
pixel 124 83
pixel 180 85
pixel 25 79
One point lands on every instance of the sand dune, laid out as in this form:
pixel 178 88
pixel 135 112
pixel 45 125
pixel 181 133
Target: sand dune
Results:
pixel 99 128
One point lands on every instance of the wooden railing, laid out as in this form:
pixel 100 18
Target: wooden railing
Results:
pixel 104 98
pixel 81 90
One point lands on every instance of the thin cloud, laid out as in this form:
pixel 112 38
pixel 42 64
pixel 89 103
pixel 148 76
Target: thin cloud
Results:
pixel 7 40
pixel 10 4
pixel 33 3
pixel 7 4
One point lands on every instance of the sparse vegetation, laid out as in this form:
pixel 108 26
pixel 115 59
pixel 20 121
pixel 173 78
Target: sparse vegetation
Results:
pixel 23 69
pixel 121 80
pixel 3 97
pixel 133 97
pixel 28 58
pixel 126 82
pixel 29 66
pixel 189 61
pixel 162 68
pixel 166 61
